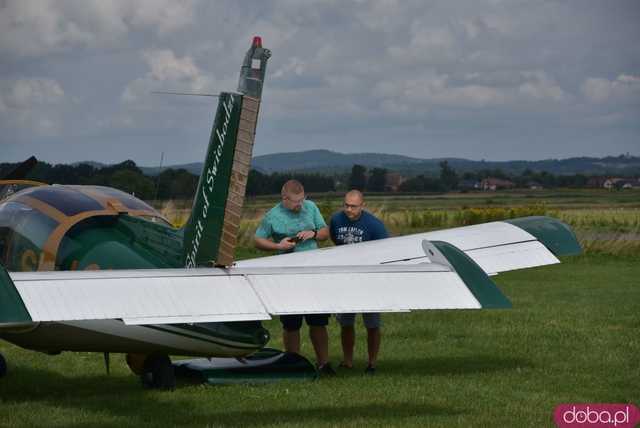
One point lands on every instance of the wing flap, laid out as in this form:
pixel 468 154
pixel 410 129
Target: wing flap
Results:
pixel 141 297
pixel 362 292
pixel 504 258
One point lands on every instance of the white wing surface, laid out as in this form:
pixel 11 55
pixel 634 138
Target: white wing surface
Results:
pixel 209 295
pixel 495 247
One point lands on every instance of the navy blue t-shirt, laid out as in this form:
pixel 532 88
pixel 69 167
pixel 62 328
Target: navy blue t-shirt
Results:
pixel 366 228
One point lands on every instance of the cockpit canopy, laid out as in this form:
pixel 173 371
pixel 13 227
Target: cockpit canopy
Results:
pixel 34 220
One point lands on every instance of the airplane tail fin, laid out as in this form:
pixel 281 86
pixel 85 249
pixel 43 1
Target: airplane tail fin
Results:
pixel 210 235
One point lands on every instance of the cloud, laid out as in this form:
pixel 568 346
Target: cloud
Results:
pixel 32 28
pixel 31 104
pixel 540 86
pixel 26 94
pixel 625 87
pixel 167 72
pixel 358 70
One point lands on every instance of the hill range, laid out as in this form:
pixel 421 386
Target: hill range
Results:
pixel 329 162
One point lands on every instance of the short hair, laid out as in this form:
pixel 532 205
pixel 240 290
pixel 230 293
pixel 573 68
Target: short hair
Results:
pixel 292 187
pixel 355 192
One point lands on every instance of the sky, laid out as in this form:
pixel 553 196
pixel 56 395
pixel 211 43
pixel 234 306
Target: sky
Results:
pixel 475 79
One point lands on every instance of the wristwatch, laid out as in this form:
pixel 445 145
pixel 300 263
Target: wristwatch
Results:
pixel 315 233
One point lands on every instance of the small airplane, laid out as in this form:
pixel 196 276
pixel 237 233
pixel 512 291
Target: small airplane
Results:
pixel 94 269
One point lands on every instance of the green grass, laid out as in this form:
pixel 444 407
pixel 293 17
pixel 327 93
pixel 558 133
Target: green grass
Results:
pixel 571 337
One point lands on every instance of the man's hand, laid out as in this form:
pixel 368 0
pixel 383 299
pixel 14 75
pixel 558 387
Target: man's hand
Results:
pixel 306 235
pixel 286 244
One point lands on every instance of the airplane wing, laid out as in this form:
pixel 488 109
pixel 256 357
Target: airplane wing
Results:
pixel 496 247
pixel 168 296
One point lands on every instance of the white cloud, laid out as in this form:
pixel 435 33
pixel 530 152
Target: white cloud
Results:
pixel 168 73
pixel 165 66
pixel 26 94
pixel 432 91
pixel 31 28
pixel 427 44
pixel 541 86
pixel 624 88
pixel 32 105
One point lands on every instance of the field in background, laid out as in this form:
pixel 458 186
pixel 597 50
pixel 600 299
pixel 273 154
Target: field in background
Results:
pixel 606 222
pixel 572 336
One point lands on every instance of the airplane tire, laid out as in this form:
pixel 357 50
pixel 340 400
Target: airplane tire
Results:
pixel 158 373
pixel 3 366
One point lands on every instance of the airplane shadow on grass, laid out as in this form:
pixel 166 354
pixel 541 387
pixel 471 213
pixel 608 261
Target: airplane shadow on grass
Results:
pixel 119 397
pixel 123 397
pixel 442 366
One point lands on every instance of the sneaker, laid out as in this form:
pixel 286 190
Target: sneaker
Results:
pixel 326 370
pixel 370 370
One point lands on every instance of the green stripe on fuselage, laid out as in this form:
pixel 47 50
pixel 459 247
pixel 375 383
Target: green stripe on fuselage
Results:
pixel 210 339
pixel 12 308
pixel 478 282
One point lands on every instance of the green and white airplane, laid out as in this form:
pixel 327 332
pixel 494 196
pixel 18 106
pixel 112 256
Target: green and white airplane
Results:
pixel 93 269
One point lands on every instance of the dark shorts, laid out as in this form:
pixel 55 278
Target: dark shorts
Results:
pixel 371 320
pixel 294 322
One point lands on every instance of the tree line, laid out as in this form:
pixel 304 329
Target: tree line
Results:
pixel 181 184
pixel 169 184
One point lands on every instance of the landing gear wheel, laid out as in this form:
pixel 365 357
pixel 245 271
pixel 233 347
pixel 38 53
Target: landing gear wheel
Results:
pixel 3 366
pixel 158 373
pixel 136 363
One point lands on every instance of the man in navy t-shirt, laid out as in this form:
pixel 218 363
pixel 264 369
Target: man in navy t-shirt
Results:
pixel 349 226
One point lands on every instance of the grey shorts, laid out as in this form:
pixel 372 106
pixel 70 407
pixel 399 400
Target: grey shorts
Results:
pixel 371 320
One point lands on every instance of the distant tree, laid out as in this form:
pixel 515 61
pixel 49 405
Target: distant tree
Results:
pixel 258 183
pixel 448 176
pixel 423 183
pixel 134 183
pixel 377 180
pixel 413 184
pixel 358 178
pixel 432 184
pixel 176 184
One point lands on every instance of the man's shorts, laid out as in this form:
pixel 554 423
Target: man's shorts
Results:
pixel 371 320
pixel 294 322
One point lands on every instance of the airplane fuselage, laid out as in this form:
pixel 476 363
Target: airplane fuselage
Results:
pixel 48 228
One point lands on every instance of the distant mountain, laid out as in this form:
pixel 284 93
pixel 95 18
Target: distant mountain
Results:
pixel 328 162
pixel 92 163
pixel 193 168
pixel 323 159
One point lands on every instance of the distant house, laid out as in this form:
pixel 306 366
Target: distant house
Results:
pixel 629 184
pixel 621 183
pixel 392 181
pixel 613 183
pixel 496 184
pixel 534 185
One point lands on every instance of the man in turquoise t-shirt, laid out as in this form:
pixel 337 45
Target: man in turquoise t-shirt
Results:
pixel 295 224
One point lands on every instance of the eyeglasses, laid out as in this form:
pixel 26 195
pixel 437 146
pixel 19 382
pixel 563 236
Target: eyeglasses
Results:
pixel 351 206
pixel 295 201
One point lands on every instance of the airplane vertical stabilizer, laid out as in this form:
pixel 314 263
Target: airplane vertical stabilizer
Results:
pixel 211 234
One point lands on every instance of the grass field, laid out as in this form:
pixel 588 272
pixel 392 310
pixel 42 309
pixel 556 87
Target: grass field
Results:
pixel 573 336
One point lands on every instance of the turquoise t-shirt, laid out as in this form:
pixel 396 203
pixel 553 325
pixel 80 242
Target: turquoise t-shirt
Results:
pixel 279 222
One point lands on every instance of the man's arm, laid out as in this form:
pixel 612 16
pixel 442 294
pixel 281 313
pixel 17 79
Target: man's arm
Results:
pixel 379 231
pixel 320 235
pixel 268 245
